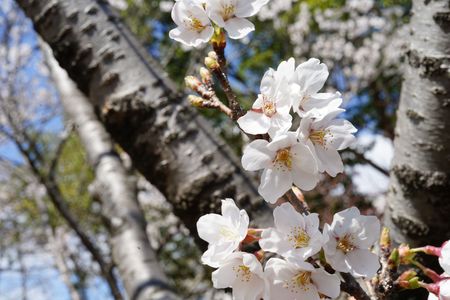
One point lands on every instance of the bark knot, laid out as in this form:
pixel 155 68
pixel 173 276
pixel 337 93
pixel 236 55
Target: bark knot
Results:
pixel 412 179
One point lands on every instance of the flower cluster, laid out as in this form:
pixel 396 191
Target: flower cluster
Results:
pixel 295 156
pixel 197 19
pixel 297 272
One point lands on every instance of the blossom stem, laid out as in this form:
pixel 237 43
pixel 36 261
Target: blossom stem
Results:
pixel 427 271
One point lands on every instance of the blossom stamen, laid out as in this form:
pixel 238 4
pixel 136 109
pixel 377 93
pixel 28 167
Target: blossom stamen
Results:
pixel 194 24
pixel 228 11
pixel 269 108
pixel 319 137
pixel 301 281
pixel 243 272
pixel 299 238
pixel 283 157
pixel 345 244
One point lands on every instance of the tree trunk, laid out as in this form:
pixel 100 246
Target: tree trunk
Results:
pixel 168 142
pixel 131 250
pixel 418 201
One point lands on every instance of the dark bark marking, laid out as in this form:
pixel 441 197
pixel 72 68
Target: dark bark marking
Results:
pixel 414 116
pixel 89 28
pixel 412 180
pixel 443 20
pixel 428 66
pixel 412 227
pixel 91 10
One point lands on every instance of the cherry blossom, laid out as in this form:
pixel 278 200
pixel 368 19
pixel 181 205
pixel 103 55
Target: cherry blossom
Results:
pixel 285 160
pixel 348 240
pixel 325 136
pixel 298 280
pixel 244 274
pixel 270 112
pixel 222 232
pixel 294 234
pixel 443 292
pixel 443 285
pixel 194 27
pixel 444 258
pixel 308 80
pixel 232 14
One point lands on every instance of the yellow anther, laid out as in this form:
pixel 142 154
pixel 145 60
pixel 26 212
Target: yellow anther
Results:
pixel 318 137
pixel 283 157
pixel 299 238
pixel 345 244
pixel 243 272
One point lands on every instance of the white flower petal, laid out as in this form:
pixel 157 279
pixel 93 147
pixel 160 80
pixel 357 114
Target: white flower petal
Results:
pixel 362 263
pixel 218 253
pixel 286 69
pixel 254 123
pixel 330 159
pixel 336 259
pixel 321 100
pixel 444 290
pixel 267 81
pixel 311 76
pixel 282 141
pixel 248 8
pixel 225 276
pixel 256 156
pixel 274 184
pixel 343 220
pixel 217 18
pixel 280 124
pixel 286 218
pixel 304 168
pixel 274 241
pixel 432 297
pixel 327 284
pixel 371 231
pixel 278 270
pixel 208 227
pixel 444 259
pixel 342 133
pixel 238 28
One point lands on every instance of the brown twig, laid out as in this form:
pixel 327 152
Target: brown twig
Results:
pixel 295 197
pixel 233 102
pixel 352 287
pixel 384 282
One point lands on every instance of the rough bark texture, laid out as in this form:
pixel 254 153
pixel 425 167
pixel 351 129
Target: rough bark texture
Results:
pixel 169 143
pixel 131 251
pixel 418 200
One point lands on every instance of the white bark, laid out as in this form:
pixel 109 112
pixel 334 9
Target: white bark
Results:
pixel 136 261
pixel 419 205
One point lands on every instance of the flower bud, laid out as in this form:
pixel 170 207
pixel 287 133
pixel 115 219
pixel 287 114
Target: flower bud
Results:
pixel 407 275
pixel 406 255
pixel 192 82
pixel 394 259
pixel 410 284
pixel 219 39
pixel 213 55
pixel 206 76
pixel 385 239
pixel 195 100
pixel 211 63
